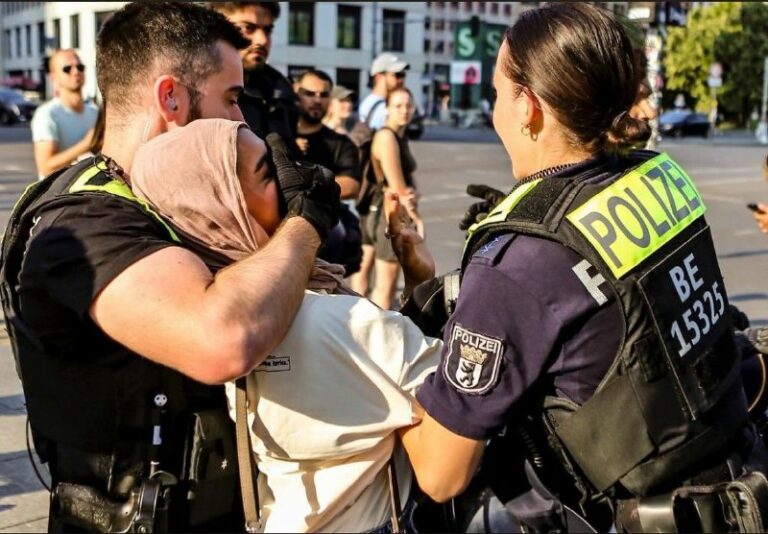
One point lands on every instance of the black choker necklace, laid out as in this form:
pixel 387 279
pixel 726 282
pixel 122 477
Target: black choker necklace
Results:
pixel 113 167
pixel 549 171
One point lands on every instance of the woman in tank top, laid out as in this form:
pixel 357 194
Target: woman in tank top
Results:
pixel 394 166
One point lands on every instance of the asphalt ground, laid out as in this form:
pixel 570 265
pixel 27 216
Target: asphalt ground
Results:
pixel 726 169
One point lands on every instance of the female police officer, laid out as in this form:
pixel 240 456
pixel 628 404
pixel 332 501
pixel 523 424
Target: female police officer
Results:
pixel 591 320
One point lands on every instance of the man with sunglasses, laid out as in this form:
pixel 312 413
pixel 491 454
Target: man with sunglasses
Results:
pixel 62 127
pixel 268 103
pixel 387 74
pixel 321 145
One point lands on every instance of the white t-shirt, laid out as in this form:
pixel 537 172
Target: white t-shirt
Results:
pixel 329 399
pixel 53 121
pixel 376 103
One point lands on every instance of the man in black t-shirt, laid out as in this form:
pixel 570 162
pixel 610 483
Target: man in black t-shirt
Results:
pixel 268 102
pixel 319 144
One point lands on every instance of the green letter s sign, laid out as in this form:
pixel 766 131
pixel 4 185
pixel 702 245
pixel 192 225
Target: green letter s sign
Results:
pixel 465 44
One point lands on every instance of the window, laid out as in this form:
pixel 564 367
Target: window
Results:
pixel 427 45
pixel 439 25
pixel 348 27
pixel 455 6
pixel 481 7
pixel 349 78
pixel 494 8
pixel 7 43
pixel 468 7
pixel 28 39
pixel 41 38
pixel 74 31
pixel 301 22
pixel 56 33
pixel 507 10
pixel 394 30
pixel 439 47
pixel 18 41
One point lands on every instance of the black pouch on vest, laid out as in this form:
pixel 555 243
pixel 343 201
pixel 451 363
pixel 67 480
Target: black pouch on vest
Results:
pixel 212 466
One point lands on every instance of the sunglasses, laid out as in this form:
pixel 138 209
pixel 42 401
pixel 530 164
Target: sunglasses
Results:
pixel 318 94
pixel 248 28
pixel 68 68
pixel 399 75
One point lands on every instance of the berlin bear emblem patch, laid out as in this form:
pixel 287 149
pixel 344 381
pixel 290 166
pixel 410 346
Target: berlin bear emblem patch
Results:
pixel 473 362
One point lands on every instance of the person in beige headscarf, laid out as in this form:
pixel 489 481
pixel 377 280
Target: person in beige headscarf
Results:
pixel 330 397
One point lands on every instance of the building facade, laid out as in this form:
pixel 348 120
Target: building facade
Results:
pixel 446 40
pixel 340 38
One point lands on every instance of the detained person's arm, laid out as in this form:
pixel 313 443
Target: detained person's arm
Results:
pixel 169 308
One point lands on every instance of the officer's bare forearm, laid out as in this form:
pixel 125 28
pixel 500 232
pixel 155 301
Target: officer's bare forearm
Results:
pixel 262 293
pixel 442 461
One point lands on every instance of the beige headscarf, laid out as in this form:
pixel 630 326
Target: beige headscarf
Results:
pixel 189 175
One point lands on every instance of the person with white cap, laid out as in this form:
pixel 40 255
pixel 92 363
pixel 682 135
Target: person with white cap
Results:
pixel 387 74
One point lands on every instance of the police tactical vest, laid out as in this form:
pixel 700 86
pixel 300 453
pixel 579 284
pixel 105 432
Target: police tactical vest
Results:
pixel 113 399
pixel 672 400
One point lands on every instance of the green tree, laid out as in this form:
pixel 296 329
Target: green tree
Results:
pixel 690 50
pixel 742 55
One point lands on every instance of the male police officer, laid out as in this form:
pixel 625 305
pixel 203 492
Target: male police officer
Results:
pixel 268 101
pixel 115 325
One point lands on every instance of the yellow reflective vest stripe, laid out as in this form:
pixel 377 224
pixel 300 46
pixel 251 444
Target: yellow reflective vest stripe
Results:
pixel 118 188
pixel 501 211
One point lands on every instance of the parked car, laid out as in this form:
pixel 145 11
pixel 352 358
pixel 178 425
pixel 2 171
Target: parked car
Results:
pixel 14 107
pixel 415 128
pixel 679 123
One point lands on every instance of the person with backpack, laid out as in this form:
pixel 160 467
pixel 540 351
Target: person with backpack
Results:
pixel 391 166
pixel 387 74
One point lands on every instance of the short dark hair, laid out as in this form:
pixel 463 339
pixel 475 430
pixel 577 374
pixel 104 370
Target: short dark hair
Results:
pixel 316 73
pixel 233 7
pixel 183 36
pixel 579 59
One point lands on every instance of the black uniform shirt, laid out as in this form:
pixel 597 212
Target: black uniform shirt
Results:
pixel 73 253
pixel 523 317
pixel 334 151
pixel 269 104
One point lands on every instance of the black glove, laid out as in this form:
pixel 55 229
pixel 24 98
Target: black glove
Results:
pixel 738 318
pixel 480 210
pixel 427 306
pixel 307 190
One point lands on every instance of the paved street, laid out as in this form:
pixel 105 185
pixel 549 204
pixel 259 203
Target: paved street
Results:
pixel 726 170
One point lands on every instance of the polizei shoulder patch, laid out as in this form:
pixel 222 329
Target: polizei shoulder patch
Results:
pixel 473 362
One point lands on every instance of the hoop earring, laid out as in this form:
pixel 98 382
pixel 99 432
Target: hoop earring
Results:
pixel 526 129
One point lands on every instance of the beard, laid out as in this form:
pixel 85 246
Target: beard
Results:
pixel 194 113
pixel 312 117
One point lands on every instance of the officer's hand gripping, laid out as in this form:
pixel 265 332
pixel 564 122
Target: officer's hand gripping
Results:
pixel 307 190
pixel 480 210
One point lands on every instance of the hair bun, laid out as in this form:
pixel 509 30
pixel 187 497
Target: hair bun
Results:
pixel 626 131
